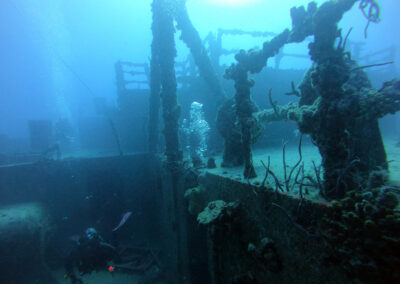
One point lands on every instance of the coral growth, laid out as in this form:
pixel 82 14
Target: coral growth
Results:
pixel 265 254
pixel 338 107
pixel 217 211
pixel 364 231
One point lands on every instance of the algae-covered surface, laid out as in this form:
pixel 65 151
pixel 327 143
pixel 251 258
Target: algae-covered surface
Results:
pixel 25 213
pixel 393 154
pixel 310 154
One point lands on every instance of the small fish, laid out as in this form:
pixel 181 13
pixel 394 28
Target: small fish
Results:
pixel 125 217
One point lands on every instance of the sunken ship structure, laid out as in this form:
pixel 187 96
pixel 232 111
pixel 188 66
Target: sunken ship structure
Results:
pixel 235 216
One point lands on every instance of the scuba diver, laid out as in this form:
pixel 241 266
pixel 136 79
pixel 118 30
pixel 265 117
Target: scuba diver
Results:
pixel 89 253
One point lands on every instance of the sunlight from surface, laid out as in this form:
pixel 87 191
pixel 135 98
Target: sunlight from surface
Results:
pixel 232 2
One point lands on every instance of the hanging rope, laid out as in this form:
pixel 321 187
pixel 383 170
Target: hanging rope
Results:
pixel 371 12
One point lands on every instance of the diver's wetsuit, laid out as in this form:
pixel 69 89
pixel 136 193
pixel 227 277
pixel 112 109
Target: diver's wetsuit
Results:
pixel 90 253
